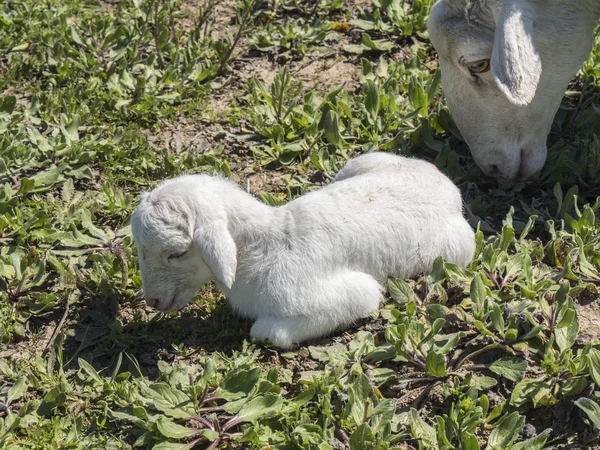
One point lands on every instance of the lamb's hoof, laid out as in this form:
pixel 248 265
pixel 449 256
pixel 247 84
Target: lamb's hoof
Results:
pixel 274 330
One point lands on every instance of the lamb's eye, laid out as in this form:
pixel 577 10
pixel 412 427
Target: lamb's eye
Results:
pixel 481 66
pixel 176 256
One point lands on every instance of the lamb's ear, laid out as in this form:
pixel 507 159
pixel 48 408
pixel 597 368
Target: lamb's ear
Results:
pixel 516 64
pixel 217 248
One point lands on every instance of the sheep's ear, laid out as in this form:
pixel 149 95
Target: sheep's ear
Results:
pixel 516 63
pixel 217 248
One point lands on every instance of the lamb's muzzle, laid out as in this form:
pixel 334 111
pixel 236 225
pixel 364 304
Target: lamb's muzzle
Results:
pixel 305 268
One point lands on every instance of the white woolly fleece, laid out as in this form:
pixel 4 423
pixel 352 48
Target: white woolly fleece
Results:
pixel 302 269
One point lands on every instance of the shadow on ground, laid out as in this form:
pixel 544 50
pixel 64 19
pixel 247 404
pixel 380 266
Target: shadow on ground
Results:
pixel 106 328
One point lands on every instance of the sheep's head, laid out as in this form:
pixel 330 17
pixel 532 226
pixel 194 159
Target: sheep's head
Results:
pixel 182 243
pixel 491 59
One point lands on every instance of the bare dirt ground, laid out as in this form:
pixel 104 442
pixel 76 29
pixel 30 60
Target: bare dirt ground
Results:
pixel 588 311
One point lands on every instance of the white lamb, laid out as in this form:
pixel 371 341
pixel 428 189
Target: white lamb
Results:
pixel 302 269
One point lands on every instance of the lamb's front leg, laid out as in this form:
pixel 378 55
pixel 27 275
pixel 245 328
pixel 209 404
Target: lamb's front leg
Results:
pixel 342 299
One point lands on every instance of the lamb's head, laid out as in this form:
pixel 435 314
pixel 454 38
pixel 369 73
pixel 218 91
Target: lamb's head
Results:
pixel 491 54
pixel 182 241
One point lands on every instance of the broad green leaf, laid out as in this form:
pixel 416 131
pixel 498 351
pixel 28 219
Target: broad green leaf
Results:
pixel 495 412
pixel 211 435
pixel 382 414
pixel 591 410
pixel 563 293
pixel 238 383
pixel 43 181
pixel 470 442
pixel 528 227
pixel 141 412
pixel 382 353
pixel 361 397
pixel 593 362
pixel 482 383
pixel 508 235
pixel 331 128
pixel 436 327
pixel 172 430
pixel 329 353
pixel 483 329
pixel 400 290
pixel 438 271
pixel 86 221
pixel 567 334
pixel 372 98
pixel 117 367
pixel 511 335
pixel 119 415
pixel 89 369
pixel 496 316
pixel 437 311
pixel 72 128
pixel 566 317
pixel 484 402
pixel 529 390
pixel 169 400
pixel 574 386
pixel 436 365
pixel 170 446
pixel 422 430
pixel 262 406
pixel 418 96
pixel 75 36
pixel 363 24
pixel 535 443
pixel 382 45
pixel 12 422
pixel 506 431
pixel 17 390
pixel 434 86
pixel 362 438
pixel 304 397
pixel 558 193
pixel 8 104
pixel 510 368
pixel 441 430
pixel 478 290
pixel 382 375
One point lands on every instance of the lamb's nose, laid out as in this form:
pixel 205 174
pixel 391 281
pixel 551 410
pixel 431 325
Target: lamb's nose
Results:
pixel 152 302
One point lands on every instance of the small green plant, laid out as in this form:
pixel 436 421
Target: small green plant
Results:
pixel 392 19
pixel 294 39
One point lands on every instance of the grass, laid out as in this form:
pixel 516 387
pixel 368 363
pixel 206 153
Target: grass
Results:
pixel 101 101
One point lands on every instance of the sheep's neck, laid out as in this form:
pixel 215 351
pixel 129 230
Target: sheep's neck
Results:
pixel 592 7
pixel 481 9
pixel 248 218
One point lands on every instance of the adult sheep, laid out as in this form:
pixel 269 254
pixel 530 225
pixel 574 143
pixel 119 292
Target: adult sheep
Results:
pixel 505 67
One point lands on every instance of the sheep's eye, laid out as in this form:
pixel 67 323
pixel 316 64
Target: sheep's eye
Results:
pixel 176 256
pixel 480 66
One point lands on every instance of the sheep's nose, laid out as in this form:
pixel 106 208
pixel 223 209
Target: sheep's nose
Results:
pixel 152 302
pixel 491 170
pixel 502 174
